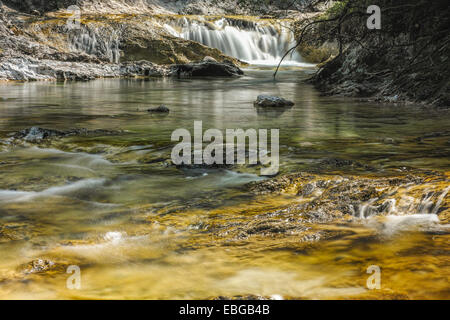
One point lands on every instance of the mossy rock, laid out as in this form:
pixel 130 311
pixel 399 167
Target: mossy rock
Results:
pixel 314 54
pixel 170 51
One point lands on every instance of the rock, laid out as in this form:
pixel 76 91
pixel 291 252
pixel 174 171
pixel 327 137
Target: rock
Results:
pixel 39 266
pixel 348 197
pixel 272 102
pixel 330 163
pixel 386 74
pixel 43 266
pixel 389 141
pixel 306 144
pixel 31 49
pixel 433 135
pixel 209 59
pixel 142 68
pixel 15 232
pixel 307 190
pixel 161 109
pixel 30 69
pixel 38 135
pixel 207 69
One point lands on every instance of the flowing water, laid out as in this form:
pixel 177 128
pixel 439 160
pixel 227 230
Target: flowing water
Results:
pixel 138 227
pixel 258 43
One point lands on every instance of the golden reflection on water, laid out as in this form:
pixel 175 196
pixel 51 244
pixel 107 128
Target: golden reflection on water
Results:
pixel 165 259
pixel 141 230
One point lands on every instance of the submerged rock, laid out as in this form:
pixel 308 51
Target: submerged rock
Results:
pixel 331 197
pixel 43 266
pixel 161 109
pixel 15 232
pixel 207 69
pixel 336 163
pixel 37 134
pixel 433 135
pixel 388 140
pixel 39 265
pixel 272 102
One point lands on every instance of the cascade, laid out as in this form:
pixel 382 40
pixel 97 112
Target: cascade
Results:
pixel 252 42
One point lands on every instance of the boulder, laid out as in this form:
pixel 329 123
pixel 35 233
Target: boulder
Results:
pixel 161 109
pixel 207 69
pixel 272 101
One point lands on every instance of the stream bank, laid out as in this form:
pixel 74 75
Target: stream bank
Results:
pixel 406 61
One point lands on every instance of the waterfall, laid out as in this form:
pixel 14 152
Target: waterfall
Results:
pixel 426 202
pixel 252 42
pixel 103 43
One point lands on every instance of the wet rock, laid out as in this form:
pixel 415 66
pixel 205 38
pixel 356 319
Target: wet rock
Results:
pixel 296 224
pixel 43 266
pixel 272 102
pixel 226 153
pixel 209 59
pixel 36 13
pixel 161 109
pixel 15 232
pixel 433 135
pixel 207 69
pixel 142 69
pixel 389 141
pixel 39 265
pixel 307 190
pixel 269 227
pixel 30 69
pixel 276 185
pixel 345 197
pixel 337 163
pixel 306 144
pixel 153 160
pixel 38 134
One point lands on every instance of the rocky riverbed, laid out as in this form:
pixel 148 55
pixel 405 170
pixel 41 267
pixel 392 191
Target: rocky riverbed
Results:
pixel 87 178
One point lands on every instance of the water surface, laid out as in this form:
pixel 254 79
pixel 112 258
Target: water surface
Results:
pixel 137 226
